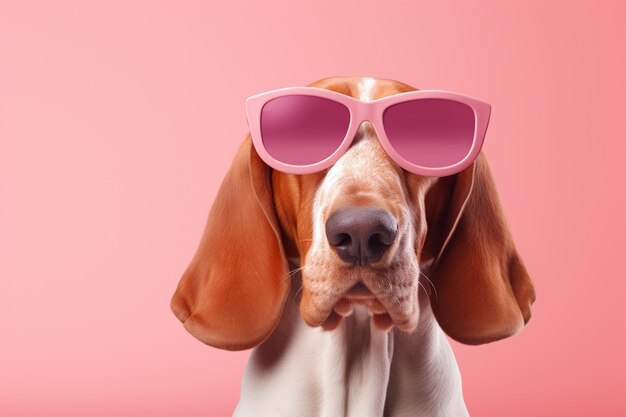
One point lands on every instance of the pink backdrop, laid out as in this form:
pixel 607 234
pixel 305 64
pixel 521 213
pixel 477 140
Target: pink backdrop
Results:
pixel 118 121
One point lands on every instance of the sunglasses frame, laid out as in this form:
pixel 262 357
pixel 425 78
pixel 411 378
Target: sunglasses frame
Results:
pixel 372 111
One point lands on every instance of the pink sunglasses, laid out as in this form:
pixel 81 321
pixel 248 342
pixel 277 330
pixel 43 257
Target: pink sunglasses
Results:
pixel 301 130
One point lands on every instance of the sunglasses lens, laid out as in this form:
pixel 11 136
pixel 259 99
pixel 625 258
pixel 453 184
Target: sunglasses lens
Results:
pixel 433 133
pixel 303 130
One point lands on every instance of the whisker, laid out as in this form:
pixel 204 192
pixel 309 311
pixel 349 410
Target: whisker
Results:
pixel 296 270
pixel 309 237
pixel 430 282
pixel 297 292
pixel 422 285
pixel 291 273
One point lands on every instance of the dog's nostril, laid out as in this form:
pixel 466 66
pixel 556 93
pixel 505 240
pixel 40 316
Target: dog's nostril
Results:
pixel 342 239
pixel 376 243
pixel 361 235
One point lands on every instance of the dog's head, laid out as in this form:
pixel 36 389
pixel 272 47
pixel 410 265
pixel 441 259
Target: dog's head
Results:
pixel 363 231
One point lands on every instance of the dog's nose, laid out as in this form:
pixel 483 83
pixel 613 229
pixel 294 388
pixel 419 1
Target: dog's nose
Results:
pixel 361 235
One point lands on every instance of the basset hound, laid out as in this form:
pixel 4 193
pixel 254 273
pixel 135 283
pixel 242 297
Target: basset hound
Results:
pixel 333 337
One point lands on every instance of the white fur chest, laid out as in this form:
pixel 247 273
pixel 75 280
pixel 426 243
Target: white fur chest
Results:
pixel 354 371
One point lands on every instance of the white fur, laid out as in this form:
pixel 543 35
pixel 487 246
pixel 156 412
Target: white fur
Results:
pixel 366 87
pixel 355 370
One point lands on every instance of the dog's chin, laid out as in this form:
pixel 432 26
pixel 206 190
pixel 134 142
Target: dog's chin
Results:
pixel 388 309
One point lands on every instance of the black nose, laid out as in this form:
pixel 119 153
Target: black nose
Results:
pixel 361 235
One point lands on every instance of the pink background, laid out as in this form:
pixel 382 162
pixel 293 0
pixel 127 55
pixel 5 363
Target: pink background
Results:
pixel 118 121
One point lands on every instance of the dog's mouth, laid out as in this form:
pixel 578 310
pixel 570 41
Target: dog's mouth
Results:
pixel 360 294
pixel 359 291
pixel 385 312
pixel 388 292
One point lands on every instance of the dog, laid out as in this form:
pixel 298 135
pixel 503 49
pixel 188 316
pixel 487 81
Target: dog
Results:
pixel 337 338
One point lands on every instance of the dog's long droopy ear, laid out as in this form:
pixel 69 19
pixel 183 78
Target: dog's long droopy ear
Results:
pixel 483 291
pixel 232 294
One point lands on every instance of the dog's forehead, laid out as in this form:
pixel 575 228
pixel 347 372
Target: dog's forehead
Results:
pixel 366 151
pixel 363 88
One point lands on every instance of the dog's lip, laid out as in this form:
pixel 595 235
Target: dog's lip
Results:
pixel 383 317
pixel 359 291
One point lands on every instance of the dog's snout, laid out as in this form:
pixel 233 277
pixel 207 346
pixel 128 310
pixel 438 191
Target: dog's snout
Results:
pixel 361 235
